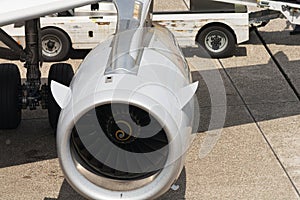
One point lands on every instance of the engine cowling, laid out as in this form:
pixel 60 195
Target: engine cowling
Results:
pixel 126 119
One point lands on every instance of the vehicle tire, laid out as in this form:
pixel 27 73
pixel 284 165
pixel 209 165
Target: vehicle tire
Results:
pixel 61 73
pixel 218 41
pixel 55 45
pixel 10 93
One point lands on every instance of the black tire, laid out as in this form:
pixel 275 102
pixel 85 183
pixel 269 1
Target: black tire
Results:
pixel 10 91
pixel 55 45
pixel 218 41
pixel 61 73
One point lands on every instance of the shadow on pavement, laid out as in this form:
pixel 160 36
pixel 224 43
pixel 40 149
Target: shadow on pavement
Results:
pixel 67 192
pixel 199 52
pixel 34 140
pixel 278 38
pixel 180 193
pixel 73 54
pixel 260 86
pixel 78 53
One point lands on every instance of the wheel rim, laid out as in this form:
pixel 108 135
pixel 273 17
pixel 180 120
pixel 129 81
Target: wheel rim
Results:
pixel 51 45
pixel 216 41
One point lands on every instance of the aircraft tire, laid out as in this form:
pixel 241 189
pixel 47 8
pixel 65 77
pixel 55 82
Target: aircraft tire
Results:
pixel 10 94
pixel 61 73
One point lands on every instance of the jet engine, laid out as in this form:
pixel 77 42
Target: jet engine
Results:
pixel 126 119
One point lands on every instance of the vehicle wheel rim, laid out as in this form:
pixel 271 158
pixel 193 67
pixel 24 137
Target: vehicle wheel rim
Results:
pixel 51 45
pixel 216 41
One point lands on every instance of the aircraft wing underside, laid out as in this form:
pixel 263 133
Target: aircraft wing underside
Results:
pixel 12 11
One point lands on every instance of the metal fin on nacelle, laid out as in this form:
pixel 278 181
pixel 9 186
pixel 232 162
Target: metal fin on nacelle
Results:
pixel 61 93
pixel 187 93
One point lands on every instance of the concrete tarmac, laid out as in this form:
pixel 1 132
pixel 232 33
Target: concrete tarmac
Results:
pixel 254 154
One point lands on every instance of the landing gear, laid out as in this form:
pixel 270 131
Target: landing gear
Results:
pixel 10 95
pixel 61 73
pixel 13 96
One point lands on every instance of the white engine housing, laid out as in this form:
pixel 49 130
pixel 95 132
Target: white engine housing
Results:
pixel 152 80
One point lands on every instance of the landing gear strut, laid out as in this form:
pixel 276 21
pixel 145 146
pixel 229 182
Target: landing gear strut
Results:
pixel 31 89
pixel 31 94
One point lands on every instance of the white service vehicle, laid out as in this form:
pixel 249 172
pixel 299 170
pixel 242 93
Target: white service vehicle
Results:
pixel 272 9
pixel 218 27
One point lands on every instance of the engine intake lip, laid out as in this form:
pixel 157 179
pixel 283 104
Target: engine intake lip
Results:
pixel 93 168
pixel 108 183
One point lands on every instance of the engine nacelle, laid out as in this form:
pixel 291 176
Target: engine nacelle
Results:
pixel 126 119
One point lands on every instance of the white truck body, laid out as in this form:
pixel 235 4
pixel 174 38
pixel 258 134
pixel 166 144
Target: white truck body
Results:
pixel 185 27
pixel 87 28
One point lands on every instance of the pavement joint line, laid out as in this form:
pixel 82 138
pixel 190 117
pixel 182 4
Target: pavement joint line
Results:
pixel 253 104
pixel 261 131
pixel 185 3
pixel 286 77
pixel 250 104
pixel 41 118
pixel 264 103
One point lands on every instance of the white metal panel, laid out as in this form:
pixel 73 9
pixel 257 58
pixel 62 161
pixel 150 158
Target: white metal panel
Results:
pixel 151 90
pixel 12 11
pixel 187 26
pixel 184 26
pixel 78 29
pixel 104 8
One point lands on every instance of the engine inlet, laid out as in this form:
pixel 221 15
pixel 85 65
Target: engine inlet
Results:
pixel 120 142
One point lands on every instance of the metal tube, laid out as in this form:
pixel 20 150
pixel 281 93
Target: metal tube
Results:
pixel 33 51
pixel 12 44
